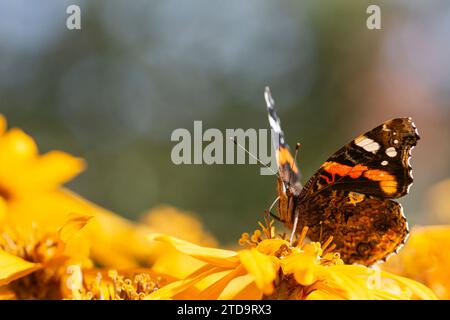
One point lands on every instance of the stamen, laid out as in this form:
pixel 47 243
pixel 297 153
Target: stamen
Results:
pixel 302 236
pixel 269 228
pixel 330 249
pixel 244 239
pixel 256 237
pixel 327 243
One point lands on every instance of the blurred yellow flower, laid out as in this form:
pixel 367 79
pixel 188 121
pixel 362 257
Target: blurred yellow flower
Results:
pixel 24 172
pixel 32 262
pixel 55 265
pixel 31 192
pixel 181 224
pixel 438 203
pixel 171 221
pixel 271 269
pixel 426 259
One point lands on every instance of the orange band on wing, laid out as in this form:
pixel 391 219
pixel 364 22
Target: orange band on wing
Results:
pixel 284 156
pixel 387 181
pixel 343 170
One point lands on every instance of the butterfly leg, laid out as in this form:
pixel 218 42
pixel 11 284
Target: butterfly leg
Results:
pixel 271 207
pixel 276 217
pixel 294 228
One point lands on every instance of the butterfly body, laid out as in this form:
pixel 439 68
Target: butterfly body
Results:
pixel 349 197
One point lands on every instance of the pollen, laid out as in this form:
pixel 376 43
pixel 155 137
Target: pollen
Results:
pixel 36 247
pixel 110 285
pixel 244 239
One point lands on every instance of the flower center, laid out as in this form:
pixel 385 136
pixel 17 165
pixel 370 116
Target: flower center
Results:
pixel 111 285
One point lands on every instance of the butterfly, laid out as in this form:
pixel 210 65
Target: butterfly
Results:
pixel 350 195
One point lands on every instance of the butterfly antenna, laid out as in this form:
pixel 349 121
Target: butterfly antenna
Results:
pixel 294 161
pixel 253 156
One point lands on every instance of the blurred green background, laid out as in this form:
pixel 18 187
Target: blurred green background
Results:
pixel 114 91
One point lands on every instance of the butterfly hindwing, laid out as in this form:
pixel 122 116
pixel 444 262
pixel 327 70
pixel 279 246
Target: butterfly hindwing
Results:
pixel 365 229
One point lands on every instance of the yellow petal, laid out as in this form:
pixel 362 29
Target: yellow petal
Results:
pixel 357 282
pixel 55 168
pixel 323 295
pixel 173 289
pixel 418 290
pixel 242 288
pixel 78 250
pixel 425 259
pixel 212 286
pixel 13 267
pixel 177 223
pixel 270 246
pixel 74 224
pixel 347 281
pixel 176 264
pixel 305 276
pixel 6 293
pixel 3 205
pixel 302 265
pixel 15 147
pixel 3 124
pixel 262 267
pixel 217 257
pixel 107 233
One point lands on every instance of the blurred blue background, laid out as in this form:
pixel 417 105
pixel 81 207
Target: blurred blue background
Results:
pixel 114 91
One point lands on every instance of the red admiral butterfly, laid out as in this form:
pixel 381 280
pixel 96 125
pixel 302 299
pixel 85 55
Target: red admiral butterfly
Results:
pixel 349 197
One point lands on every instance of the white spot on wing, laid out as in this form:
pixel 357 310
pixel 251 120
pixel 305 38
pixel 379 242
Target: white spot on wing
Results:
pixel 367 144
pixel 391 152
pixel 384 163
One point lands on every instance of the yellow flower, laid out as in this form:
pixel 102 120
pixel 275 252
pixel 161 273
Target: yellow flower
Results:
pixel 437 203
pixel 23 172
pixel 33 261
pixel 54 265
pixel 181 224
pixel 425 258
pixel 31 192
pixel 271 269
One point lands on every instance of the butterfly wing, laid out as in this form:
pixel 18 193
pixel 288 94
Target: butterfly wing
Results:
pixel 288 186
pixel 375 163
pixel 288 171
pixel 365 229
pixel 348 197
